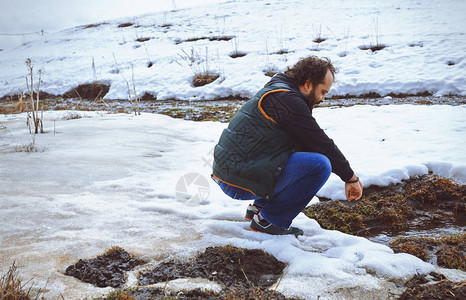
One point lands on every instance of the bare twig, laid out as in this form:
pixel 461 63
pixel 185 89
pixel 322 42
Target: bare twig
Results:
pixel 136 100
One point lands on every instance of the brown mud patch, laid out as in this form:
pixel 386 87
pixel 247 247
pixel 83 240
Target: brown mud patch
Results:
pixel 105 270
pixel 433 286
pixel 419 203
pixel 229 265
pixel 243 274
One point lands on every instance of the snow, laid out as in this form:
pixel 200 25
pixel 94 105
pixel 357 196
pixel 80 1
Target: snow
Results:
pixel 414 61
pixel 142 182
pixel 114 179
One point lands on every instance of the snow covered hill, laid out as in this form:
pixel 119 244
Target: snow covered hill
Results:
pixel 425 49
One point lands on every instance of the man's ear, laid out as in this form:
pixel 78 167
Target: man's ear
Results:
pixel 308 85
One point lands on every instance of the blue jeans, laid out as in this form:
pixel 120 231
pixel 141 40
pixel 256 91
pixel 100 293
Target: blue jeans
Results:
pixel 303 176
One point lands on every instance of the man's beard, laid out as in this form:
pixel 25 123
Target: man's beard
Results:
pixel 312 100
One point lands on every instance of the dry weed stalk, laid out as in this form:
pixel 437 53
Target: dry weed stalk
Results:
pixel 200 67
pixel 11 286
pixel 270 68
pixel 136 99
pixel 36 120
pixel 21 106
pixel 135 103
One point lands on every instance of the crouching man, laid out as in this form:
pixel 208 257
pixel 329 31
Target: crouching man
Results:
pixel 275 153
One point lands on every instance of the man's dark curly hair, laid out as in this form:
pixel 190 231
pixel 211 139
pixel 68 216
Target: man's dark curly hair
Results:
pixel 312 68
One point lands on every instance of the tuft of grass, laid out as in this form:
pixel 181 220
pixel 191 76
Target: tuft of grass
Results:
pixel 118 295
pixel 236 52
pixel 318 35
pixel 71 116
pixel 281 43
pixel 270 69
pixel 112 249
pixel 359 219
pixel 203 79
pixel 411 247
pixel 376 44
pixel 12 287
pixel 448 249
pixel 28 148
pixel 451 257
pixel 346 36
pixel 200 66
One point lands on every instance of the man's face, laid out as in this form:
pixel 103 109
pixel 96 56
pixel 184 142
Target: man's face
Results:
pixel 316 95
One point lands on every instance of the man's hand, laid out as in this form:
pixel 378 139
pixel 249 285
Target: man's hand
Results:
pixel 353 191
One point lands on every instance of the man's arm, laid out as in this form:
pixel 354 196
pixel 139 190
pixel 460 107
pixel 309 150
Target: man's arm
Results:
pixel 293 115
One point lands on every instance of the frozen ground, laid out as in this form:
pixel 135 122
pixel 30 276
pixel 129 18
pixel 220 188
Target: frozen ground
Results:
pixel 425 49
pixel 142 183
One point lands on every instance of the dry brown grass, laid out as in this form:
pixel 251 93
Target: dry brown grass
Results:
pixel 12 287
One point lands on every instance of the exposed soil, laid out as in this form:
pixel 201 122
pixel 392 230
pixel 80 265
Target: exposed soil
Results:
pixel 434 286
pixel 421 202
pixel 244 273
pixel 123 25
pixel 210 38
pixel 90 91
pixel 237 54
pixel 200 80
pixel 104 270
pixel 231 266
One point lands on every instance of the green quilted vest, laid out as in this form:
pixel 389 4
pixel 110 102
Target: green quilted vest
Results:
pixel 253 150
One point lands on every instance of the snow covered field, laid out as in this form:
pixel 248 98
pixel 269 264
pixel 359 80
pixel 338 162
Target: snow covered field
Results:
pixel 142 182
pixel 425 48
